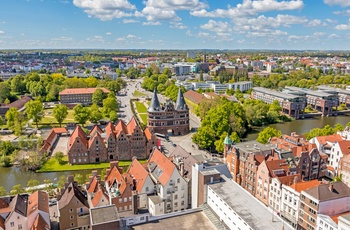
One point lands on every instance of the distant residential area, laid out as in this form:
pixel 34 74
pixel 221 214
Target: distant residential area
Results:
pixel 142 140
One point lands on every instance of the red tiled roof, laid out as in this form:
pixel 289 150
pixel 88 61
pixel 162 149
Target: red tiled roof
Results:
pixel 109 129
pixel 38 200
pixel 303 185
pixel 148 134
pixel 2 223
pixel 77 133
pixel 60 130
pixel 335 217
pixel 132 125
pixel 193 96
pixel 18 104
pixel 138 172
pixel 115 175
pixel 344 146
pixel 98 195
pixel 96 128
pixel 93 185
pixel 82 91
pixel 289 180
pixel 164 164
pixel 330 138
pixel 40 223
pixel 121 126
pixel 93 138
pixel 276 165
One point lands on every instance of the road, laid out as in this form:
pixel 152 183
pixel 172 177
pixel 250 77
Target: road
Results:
pixel 125 113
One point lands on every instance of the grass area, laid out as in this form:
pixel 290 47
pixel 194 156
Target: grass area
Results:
pixel 139 94
pixel 143 117
pixel 52 165
pixel 307 110
pixel 140 107
pixel 49 118
pixel 148 103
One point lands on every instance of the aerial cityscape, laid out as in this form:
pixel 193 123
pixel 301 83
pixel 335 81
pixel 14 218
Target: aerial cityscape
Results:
pixel 172 114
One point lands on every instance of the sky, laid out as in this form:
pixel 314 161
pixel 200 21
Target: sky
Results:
pixel 175 24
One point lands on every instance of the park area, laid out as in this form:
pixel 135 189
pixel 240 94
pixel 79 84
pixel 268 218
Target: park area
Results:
pixel 142 111
pixel 55 165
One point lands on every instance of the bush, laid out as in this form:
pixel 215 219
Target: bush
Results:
pixel 6 161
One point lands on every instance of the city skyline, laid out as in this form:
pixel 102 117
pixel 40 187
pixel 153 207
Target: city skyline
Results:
pixel 175 24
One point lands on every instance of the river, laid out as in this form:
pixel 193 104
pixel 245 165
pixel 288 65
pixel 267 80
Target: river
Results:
pixel 12 176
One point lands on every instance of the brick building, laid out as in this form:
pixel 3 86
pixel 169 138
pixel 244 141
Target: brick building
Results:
pixel 79 95
pixel 169 116
pixel 115 142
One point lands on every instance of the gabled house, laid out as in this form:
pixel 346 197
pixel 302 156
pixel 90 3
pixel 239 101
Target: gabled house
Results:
pixel 144 184
pixel 73 207
pixel 38 211
pixel 171 187
pixel 119 187
pixel 16 213
pixel 96 192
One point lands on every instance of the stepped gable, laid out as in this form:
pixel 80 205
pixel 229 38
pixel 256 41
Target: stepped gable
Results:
pixel 155 105
pixel 78 133
pixel 95 129
pixel 132 125
pixel 109 129
pixel 115 176
pixel 121 126
pixel 180 101
pixel 164 167
pixel 94 137
pixel 38 200
pixel 139 173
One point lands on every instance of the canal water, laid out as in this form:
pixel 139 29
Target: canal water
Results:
pixel 12 176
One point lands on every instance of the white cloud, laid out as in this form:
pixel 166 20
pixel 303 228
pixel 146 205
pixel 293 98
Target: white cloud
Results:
pixel 332 36
pixel 217 26
pixel 251 7
pixel 316 22
pixel 106 9
pixel 241 41
pixel 337 2
pixel 129 21
pixel 2 32
pixel 330 20
pixel 318 34
pixel 95 39
pixel 130 36
pixel 151 23
pixel 62 39
pixel 343 27
pixel 166 9
pixel 109 33
pixel 177 25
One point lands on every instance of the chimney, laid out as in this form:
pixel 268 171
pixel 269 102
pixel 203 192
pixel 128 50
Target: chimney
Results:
pixel 331 187
pixel 94 172
pixel 120 169
pixel 107 172
pixel 135 202
pixel 70 179
pixel 114 163
pixel 182 169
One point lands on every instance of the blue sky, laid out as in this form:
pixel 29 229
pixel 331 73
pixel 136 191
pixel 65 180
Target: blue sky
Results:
pixel 175 24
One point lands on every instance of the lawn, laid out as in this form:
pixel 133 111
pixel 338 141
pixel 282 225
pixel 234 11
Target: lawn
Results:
pixel 139 94
pixel 191 105
pixel 144 118
pixel 52 165
pixel 148 103
pixel 49 118
pixel 140 107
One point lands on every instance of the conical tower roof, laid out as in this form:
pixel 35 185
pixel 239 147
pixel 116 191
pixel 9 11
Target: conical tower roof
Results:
pixel 154 106
pixel 180 101
pixel 227 140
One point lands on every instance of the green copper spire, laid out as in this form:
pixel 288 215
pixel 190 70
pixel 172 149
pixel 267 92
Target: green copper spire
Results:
pixel 227 140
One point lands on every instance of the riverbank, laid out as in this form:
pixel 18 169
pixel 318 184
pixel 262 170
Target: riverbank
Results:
pixel 52 165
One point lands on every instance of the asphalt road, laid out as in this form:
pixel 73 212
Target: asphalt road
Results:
pixel 125 112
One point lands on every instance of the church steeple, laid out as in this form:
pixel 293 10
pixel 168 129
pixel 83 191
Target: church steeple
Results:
pixel 180 101
pixel 155 105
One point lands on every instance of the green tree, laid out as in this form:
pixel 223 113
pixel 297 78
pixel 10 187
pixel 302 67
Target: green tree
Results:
pixel 79 179
pixel 98 96
pixel 5 91
pixel 204 137
pixel 60 113
pixel 275 106
pixel 338 178
pixel 109 104
pixel 113 116
pixel 268 133
pixel 17 84
pixel 59 157
pixel 81 114
pixel 219 144
pixel 17 189
pixel 11 116
pixel 32 183
pixel 95 113
pixel 61 181
pixel 3 191
pixel 91 82
pixel 34 110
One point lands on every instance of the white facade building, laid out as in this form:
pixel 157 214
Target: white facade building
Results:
pixel 325 222
pixel 344 222
pixel 242 86
pixel 290 204
pixel 275 194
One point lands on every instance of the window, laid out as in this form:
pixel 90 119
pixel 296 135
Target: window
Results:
pixel 175 197
pixel 20 226
pixel 12 224
pixel 70 210
pixel 130 198
pixel 120 200
pixel 71 217
pixel 178 180
pixel 82 210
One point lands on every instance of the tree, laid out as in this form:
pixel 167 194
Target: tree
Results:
pixel 95 113
pixel 219 144
pixel 109 104
pixel 5 91
pixel 268 133
pixel 201 76
pixel 17 189
pixel 98 96
pixel 60 113
pixel 17 84
pixel 338 178
pixel 32 183
pixel 3 191
pixel 11 116
pixel 113 116
pixel 59 157
pixel 61 181
pixel 79 179
pixel 34 110
pixel 275 106
pixel 81 114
